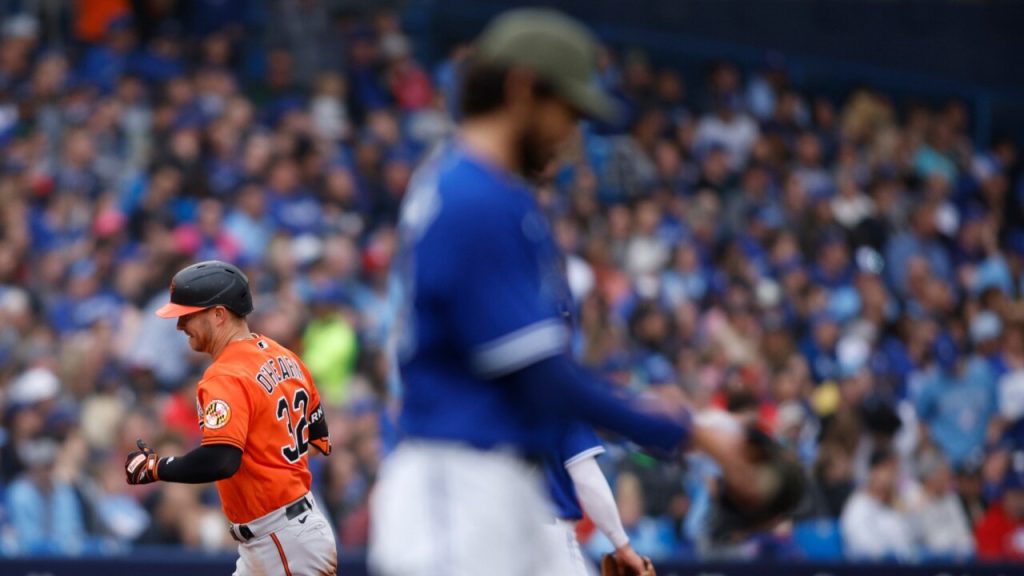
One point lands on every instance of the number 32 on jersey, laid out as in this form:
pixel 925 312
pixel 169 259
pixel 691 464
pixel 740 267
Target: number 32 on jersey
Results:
pixel 297 425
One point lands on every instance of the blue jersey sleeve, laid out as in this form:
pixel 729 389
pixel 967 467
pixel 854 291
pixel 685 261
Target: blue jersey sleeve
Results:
pixel 501 311
pixel 579 442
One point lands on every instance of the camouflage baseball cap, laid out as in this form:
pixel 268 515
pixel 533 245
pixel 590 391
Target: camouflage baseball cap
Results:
pixel 557 48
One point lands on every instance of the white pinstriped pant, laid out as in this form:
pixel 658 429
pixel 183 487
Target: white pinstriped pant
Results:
pixel 302 546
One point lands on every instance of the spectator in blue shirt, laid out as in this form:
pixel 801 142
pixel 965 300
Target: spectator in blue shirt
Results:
pixel 920 240
pixel 293 208
pixel 44 510
pixel 957 400
pixel 105 63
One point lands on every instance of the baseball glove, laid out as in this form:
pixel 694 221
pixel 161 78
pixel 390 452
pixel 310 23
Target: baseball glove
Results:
pixel 611 567
pixel 781 471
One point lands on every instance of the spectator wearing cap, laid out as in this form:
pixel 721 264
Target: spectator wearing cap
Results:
pixel 940 523
pixel 646 251
pixel 985 330
pixel 851 206
pixel 44 510
pixel 819 347
pixel 872 524
pixel 377 298
pixel 162 58
pixel 291 206
pixel 395 171
pixel 29 399
pixel 104 63
pixel 1000 534
pixel 729 126
pixel 686 279
pixel 833 268
pixel 880 424
pixel 754 194
pixel 248 223
pixel 714 173
pixel 957 399
pixel 808 167
pixel 920 240
pixel 327 109
pixel 410 85
pixel 207 239
pixel 85 301
pixel 937 157
pixel 19 38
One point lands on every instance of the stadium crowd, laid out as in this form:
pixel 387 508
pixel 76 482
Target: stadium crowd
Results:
pixel 846 273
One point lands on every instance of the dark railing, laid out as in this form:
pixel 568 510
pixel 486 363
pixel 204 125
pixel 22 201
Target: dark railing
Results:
pixel 177 563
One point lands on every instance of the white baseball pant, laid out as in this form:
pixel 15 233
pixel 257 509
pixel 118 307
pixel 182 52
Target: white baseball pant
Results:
pixel 443 509
pixel 569 559
pixel 294 540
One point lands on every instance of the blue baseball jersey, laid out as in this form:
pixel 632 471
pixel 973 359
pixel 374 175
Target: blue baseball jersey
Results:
pixel 482 289
pixel 578 442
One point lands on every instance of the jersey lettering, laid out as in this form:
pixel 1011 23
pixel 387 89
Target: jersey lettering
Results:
pixel 272 373
pixel 285 372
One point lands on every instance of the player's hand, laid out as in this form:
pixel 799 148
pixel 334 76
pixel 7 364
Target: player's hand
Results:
pixel 629 560
pixel 140 466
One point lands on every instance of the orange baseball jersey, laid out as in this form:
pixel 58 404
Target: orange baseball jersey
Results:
pixel 259 397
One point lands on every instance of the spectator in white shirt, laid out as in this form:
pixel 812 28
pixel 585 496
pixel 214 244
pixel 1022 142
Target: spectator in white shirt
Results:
pixel 729 127
pixel 873 528
pixel 940 523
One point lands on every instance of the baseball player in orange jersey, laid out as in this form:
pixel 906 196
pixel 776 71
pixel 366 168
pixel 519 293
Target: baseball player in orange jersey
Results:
pixel 259 412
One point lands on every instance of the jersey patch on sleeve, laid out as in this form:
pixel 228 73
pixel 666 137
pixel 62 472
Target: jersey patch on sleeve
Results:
pixel 216 414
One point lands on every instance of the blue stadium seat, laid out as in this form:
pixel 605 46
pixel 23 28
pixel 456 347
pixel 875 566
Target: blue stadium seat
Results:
pixel 818 539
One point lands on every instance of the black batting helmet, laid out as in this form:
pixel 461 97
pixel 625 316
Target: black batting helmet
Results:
pixel 207 284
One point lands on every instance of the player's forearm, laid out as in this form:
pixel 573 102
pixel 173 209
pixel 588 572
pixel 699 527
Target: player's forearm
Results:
pixel 207 463
pixel 597 499
pixel 557 386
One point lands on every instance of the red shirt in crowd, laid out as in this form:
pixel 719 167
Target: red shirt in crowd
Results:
pixel 1000 537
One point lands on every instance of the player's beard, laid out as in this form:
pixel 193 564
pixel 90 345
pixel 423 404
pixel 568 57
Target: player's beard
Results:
pixel 198 334
pixel 535 156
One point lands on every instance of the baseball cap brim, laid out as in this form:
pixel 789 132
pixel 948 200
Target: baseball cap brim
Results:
pixel 172 310
pixel 590 100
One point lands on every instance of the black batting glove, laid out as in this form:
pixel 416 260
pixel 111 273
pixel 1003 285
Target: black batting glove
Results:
pixel 140 466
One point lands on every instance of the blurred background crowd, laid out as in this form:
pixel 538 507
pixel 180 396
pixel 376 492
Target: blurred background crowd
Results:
pixel 845 272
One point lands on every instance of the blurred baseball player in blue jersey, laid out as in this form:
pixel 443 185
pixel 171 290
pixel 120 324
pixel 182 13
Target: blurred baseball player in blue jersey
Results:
pixel 577 484
pixel 489 387
pixel 574 480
